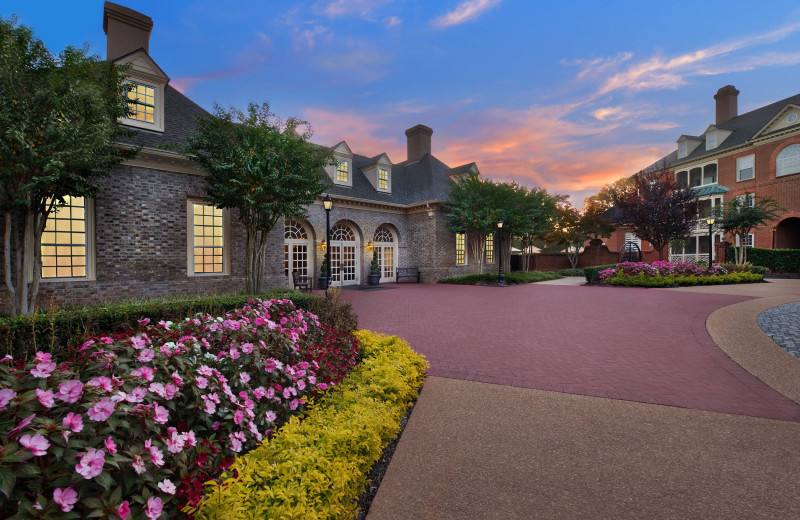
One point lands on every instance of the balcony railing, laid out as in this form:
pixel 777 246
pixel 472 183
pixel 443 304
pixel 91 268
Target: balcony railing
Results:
pixel 694 258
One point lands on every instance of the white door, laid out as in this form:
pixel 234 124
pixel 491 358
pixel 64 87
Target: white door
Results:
pixel 386 247
pixel 296 247
pixel 344 257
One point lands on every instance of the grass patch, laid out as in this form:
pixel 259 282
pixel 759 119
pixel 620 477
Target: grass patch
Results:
pixel 512 278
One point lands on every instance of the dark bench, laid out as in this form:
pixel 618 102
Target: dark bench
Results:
pixel 301 282
pixel 410 274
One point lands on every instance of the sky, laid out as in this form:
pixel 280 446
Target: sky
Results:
pixel 568 96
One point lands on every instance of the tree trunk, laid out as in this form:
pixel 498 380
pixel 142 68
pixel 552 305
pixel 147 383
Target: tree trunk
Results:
pixel 11 291
pixel 255 252
pixel 22 238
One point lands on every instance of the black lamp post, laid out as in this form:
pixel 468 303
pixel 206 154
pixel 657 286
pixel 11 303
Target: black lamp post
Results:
pixel 774 229
pixel 710 222
pixel 328 204
pixel 500 252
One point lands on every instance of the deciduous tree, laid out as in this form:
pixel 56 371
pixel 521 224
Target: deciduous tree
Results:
pixel 739 218
pixel 58 128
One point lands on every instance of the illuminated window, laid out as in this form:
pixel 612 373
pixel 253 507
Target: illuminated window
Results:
pixel 788 161
pixel 208 239
pixel 343 171
pixel 489 248
pixel 461 249
pixel 64 241
pixel 383 179
pixel 142 102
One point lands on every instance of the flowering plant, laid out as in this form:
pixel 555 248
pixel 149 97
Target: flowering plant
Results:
pixel 660 268
pixel 133 424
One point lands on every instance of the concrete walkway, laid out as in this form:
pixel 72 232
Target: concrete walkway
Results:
pixel 511 450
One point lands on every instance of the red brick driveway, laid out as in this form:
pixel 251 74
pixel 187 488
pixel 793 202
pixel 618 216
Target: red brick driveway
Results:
pixel 640 345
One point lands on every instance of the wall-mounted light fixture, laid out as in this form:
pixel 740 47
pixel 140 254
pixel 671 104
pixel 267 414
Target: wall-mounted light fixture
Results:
pixel 370 245
pixel 323 245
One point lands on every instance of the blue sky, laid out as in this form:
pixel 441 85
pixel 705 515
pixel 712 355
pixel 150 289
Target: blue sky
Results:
pixel 564 95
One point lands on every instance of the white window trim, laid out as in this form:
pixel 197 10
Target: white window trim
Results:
pixel 158 112
pixel 682 150
pixel 466 252
pixel 739 168
pixel 750 238
pixel 711 136
pixel 91 250
pixel 388 188
pixel 778 158
pixel 688 169
pixel 226 248
pixel 349 162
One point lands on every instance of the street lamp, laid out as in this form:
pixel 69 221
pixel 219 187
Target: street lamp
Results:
pixel 710 222
pixel 328 204
pixel 500 252
pixel 774 229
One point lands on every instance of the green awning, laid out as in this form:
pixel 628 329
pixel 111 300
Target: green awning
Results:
pixel 711 189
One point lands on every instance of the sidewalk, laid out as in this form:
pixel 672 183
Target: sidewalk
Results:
pixel 473 450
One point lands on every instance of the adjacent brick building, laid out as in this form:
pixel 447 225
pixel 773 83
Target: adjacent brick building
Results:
pixel 150 231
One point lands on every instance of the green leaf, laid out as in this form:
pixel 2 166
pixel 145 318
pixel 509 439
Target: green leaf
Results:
pixel 7 481
pixel 105 480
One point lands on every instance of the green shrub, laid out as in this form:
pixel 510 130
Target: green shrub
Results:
pixel 645 280
pixel 52 331
pixel 777 260
pixel 570 272
pixel 512 278
pixel 317 467
pixel 593 273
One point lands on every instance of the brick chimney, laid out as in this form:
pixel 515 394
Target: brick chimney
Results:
pixel 126 30
pixel 727 103
pixel 419 142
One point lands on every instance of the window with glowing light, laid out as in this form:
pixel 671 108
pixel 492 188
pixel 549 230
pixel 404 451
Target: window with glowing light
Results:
pixel 383 179
pixel 343 171
pixel 489 248
pixel 64 241
pixel 207 231
pixel 142 102
pixel 461 249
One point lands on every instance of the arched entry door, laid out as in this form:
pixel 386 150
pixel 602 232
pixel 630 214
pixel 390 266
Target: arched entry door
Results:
pixel 788 234
pixel 296 248
pixel 344 255
pixel 385 245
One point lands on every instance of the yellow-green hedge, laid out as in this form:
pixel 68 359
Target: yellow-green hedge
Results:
pixel 316 468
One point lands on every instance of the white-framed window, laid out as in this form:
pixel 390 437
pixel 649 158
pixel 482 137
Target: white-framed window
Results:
pixel 461 249
pixel 142 103
pixel 343 171
pixel 383 179
pixel 490 248
pixel 631 237
pixel 748 200
pixel 296 247
pixel 208 237
pixel 745 167
pixel 711 140
pixel 67 241
pixel 788 161
pixel 748 240
pixel 681 149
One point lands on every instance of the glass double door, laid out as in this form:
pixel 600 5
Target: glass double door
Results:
pixel 344 263
pixel 386 258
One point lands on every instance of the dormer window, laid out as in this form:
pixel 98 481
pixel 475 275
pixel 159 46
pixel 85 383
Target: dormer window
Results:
pixel 681 149
pixel 383 179
pixel 711 140
pixel 142 102
pixel 343 171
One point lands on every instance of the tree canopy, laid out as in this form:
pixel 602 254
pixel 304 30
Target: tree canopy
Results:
pixel 58 128
pixel 656 207
pixel 262 166
pixel 741 215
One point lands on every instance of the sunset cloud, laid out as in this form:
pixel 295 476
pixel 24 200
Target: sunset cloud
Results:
pixel 464 12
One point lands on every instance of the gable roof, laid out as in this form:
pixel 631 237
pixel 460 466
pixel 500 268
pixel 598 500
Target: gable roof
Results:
pixel 179 115
pixel 743 128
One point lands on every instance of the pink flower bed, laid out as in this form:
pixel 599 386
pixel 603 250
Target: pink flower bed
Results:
pixel 661 268
pixel 132 425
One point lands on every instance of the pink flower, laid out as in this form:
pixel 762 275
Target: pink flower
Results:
pixel 203 370
pixel 73 422
pixel 22 424
pixel 161 414
pixel 322 386
pixel 43 370
pixel 110 446
pixel 143 322
pixel 190 438
pixel 101 410
pixel 87 344
pixel 259 392
pixel 124 510
pixel 138 465
pixel 70 391
pixel 210 407
pixel 244 377
pixel 294 403
pixel 234 353
pixel 37 444
pixel 215 425
pixel 154 507
pixel 91 463
pixel 157 455
pixel 175 442
pixel 247 348
pixel 145 373
pixel 270 416
pixel 136 395
pixel 43 357
pixel 301 385
pixel 6 395
pixel 272 364
pixel 101 382
pixel 138 342
pixel 146 355
pixel 238 417
pixel 167 486
pixel 177 379
pixel 66 498
pixel 201 382
pixel 169 391
pixel 270 393
pixel 106 340
pixel 45 397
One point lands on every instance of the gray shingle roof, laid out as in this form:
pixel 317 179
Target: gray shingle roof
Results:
pixel 179 115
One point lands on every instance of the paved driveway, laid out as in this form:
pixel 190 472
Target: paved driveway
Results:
pixel 642 345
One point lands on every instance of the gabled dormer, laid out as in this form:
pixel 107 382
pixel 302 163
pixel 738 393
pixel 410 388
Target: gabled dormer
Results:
pixel 378 172
pixel 341 171
pixel 788 117
pixel 146 97
pixel 463 171
pixel 687 144
pixel 715 136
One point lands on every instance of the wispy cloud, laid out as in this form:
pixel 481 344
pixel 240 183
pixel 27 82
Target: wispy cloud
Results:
pixel 392 21
pixel 246 62
pixel 361 59
pixel 666 125
pixel 363 9
pixel 363 133
pixel 466 11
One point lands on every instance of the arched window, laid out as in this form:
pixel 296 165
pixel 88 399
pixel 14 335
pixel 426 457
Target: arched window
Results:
pixel 342 233
pixel 788 161
pixel 296 247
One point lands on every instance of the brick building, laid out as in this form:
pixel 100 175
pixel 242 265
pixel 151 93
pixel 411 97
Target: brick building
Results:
pixel 756 152
pixel 150 231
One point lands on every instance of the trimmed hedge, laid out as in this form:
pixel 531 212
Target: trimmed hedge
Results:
pixel 777 260
pixel 593 273
pixel 512 278
pixel 317 467
pixel 52 331
pixel 571 272
pixel 645 280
